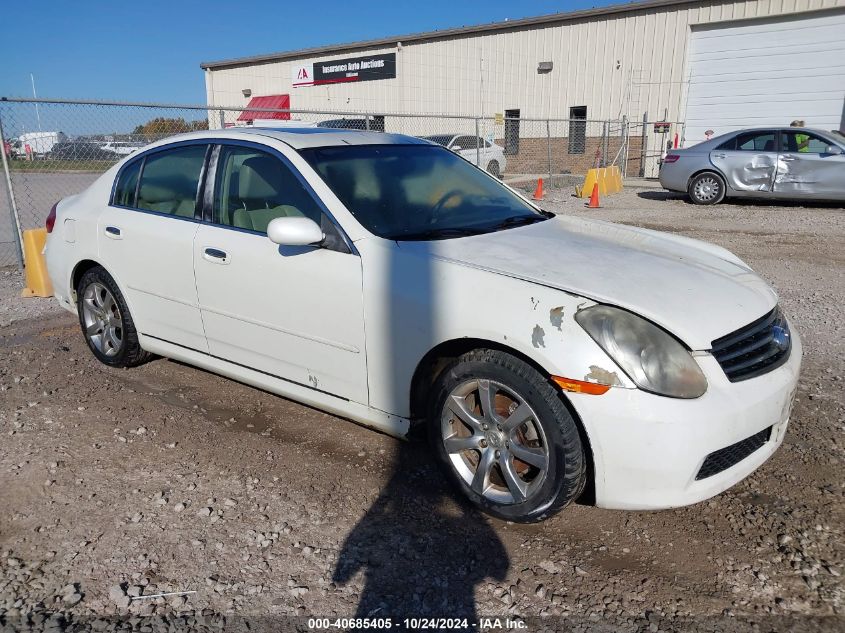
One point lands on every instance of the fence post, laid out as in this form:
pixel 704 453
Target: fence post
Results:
pixel 549 149
pixel 222 115
pixel 604 134
pixel 367 122
pixel 644 145
pixel 477 144
pixel 13 207
pixel 624 134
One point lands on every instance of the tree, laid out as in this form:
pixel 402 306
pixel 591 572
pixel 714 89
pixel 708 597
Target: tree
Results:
pixel 162 125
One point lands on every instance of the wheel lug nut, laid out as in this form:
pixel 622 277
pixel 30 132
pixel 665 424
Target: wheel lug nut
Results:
pixel 498 454
pixel 485 427
pixel 483 443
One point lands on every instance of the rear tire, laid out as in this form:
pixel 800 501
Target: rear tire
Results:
pixel 493 169
pixel 505 438
pixel 105 320
pixel 706 188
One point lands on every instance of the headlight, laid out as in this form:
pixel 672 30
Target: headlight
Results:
pixel 652 358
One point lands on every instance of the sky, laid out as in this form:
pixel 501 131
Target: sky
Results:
pixel 150 51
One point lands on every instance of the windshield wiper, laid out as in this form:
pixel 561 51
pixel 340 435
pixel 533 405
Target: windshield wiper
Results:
pixel 517 220
pixel 437 234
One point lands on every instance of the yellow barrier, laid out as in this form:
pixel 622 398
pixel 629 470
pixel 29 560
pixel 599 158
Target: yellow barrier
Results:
pixel 35 271
pixel 609 180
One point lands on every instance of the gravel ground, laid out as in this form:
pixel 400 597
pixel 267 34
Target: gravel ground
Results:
pixel 122 484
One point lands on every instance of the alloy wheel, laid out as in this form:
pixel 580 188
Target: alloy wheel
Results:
pixel 494 441
pixel 706 188
pixel 102 321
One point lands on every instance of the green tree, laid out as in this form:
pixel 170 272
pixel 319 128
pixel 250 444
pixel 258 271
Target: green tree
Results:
pixel 162 126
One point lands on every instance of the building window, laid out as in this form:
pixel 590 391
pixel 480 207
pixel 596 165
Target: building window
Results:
pixel 511 132
pixel 577 129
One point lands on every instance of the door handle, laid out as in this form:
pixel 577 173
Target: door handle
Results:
pixel 718 155
pixel 215 255
pixel 787 157
pixel 113 232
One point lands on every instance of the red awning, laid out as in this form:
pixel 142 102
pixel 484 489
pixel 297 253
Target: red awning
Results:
pixel 270 101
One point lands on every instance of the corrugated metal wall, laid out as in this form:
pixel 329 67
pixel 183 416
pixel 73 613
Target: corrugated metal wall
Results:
pixel 620 64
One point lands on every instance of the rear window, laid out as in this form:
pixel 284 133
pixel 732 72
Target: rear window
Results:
pixel 170 180
pixel 756 142
pixel 127 183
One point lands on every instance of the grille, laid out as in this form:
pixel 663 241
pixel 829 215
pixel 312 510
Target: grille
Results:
pixel 724 458
pixel 755 349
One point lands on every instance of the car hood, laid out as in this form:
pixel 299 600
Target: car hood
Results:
pixel 697 291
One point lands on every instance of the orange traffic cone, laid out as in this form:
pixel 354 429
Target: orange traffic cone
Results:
pixel 594 198
pixel 538 192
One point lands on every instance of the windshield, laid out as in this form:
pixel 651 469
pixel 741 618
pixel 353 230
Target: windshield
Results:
pixel 418 192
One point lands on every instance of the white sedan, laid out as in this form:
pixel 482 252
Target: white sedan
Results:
pixel 382 278
pixel 489 156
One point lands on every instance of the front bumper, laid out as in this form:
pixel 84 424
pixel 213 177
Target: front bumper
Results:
pixel 648 449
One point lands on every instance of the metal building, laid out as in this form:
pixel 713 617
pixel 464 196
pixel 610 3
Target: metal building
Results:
pixel 714 64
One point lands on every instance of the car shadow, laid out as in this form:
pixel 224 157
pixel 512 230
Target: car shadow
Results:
pixel 422 551
pixel 661 195
pixel 745 202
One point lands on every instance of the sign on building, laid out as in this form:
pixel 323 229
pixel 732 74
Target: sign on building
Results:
pixel 350 69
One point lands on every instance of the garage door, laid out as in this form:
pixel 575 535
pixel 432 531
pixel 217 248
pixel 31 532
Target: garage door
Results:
pixel 767 72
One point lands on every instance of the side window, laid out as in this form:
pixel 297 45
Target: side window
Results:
pixel 802 142
pixel 254 187
pixel 730 144
pixel 127 183
pixel 170 179
pixel 756 142
pixel 466 142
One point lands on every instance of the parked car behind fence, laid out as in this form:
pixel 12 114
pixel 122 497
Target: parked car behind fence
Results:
pixel 767 163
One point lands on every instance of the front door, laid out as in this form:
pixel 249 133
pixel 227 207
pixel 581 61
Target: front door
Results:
pixel 748 161
pixel 295 313
pixel 145 238
pixel 806 168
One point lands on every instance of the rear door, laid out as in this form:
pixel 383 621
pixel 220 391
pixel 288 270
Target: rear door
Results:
pixel 806 169
pixel 145 239
pixel 748 161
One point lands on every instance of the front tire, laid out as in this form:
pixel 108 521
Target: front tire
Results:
pixel 706 188
pixel 493 169
pixel 105 320
pixel 505 437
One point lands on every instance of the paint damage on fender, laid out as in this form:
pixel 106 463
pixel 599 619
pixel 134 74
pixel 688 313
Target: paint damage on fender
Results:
pixel 556 317
pixel 603 376
pixel 538 336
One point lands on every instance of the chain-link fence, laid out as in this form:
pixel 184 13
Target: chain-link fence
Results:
pixel 56 148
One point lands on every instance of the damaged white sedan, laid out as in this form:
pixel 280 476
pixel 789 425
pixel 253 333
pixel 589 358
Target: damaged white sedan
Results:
pixel 387 280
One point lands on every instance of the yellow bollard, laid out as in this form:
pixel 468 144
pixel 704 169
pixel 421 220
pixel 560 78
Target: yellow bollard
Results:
pixel 590 179
pixel 602 179
pixel 37 281
pixel 617 178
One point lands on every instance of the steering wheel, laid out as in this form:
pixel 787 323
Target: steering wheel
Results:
pixel 438 207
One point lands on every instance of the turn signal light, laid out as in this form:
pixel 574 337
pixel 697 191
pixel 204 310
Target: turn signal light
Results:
pixel 671 158
pixel 580 386
pixel 51 219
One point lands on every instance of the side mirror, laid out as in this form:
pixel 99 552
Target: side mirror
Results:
pixel 288 231
pixel 457 148
pixel 833 149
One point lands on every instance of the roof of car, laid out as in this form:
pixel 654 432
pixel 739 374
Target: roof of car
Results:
pixel 306 137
